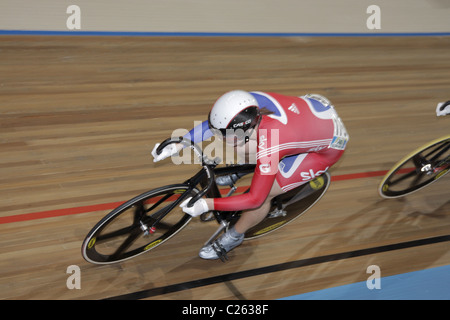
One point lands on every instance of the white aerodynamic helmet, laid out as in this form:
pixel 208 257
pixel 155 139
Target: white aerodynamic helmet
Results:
pixel 234 110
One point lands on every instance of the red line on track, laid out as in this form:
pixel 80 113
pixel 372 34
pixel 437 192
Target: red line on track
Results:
pixel 112 205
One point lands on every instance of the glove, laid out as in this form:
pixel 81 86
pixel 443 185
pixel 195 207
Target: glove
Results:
pixel 168 151
pixel 197 209
pixel 445 111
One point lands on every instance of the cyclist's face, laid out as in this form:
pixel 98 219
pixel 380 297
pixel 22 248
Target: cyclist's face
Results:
pixel 234 138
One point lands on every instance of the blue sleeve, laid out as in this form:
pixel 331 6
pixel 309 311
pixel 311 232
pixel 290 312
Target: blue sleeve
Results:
pixel 199 133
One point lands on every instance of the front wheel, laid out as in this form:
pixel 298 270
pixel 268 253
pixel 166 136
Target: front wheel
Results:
pixel 420 168
pixel 137 226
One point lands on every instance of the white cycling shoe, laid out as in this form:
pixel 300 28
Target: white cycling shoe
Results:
pixel 219 248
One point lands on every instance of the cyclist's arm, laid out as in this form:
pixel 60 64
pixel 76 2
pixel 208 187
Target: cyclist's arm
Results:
pixel 262 182
pixel 199 133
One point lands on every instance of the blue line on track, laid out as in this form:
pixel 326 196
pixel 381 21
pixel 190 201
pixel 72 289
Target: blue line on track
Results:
pixel 428 284
pixel 215 34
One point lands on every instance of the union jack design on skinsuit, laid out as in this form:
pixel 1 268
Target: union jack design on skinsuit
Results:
pixel 301 139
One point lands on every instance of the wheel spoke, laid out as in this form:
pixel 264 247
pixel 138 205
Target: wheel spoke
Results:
pixel 416 180
pixel 137 216
pixel 401 178
pixel 445 147
pixel 135 233
pixel 159 202
pixel 114 234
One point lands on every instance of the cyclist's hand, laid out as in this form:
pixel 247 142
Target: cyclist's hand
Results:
pixel 168 151
pixel 199 207
pixel 443 109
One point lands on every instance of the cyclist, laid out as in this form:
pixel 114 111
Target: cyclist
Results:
pixel 297 139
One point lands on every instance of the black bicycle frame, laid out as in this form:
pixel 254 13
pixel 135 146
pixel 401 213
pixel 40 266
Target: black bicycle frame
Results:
pixel 206 176
pixel 201 178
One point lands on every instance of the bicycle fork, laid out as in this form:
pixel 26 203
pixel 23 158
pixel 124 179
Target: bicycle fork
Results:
pixel 223 224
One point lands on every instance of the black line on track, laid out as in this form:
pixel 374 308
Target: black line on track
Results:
pixel 275 268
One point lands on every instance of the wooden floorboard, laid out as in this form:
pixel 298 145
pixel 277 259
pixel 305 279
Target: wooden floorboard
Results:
pixel 80 115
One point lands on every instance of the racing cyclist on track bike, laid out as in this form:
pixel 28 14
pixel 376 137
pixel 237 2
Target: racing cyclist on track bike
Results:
pixel 297 139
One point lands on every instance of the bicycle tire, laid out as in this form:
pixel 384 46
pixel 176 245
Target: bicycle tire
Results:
pixel 316 189
pixel 101 245
pixel 430 162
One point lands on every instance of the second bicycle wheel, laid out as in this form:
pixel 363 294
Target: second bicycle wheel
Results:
pixel 418 169
pixel 137 226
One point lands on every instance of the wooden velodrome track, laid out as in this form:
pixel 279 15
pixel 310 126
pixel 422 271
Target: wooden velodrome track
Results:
pixel 79 116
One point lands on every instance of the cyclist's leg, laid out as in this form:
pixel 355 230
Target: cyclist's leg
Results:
pixel 235 236
pixel 305 167
pixel 293 172
pixel 251 218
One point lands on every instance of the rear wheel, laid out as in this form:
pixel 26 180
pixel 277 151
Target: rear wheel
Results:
pixel 137 226
pixel 294 204
pixel 418 169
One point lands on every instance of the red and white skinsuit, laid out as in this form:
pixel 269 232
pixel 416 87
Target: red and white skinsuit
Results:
pixel 301 140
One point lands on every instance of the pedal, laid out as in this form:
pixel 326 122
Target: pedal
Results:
pixel 277 213
pixel 207 216
pixel 221 253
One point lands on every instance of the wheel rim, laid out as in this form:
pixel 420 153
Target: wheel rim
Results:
pixel 317 189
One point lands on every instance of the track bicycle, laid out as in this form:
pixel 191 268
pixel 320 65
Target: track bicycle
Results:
pixel 425 165
pixel 148 220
